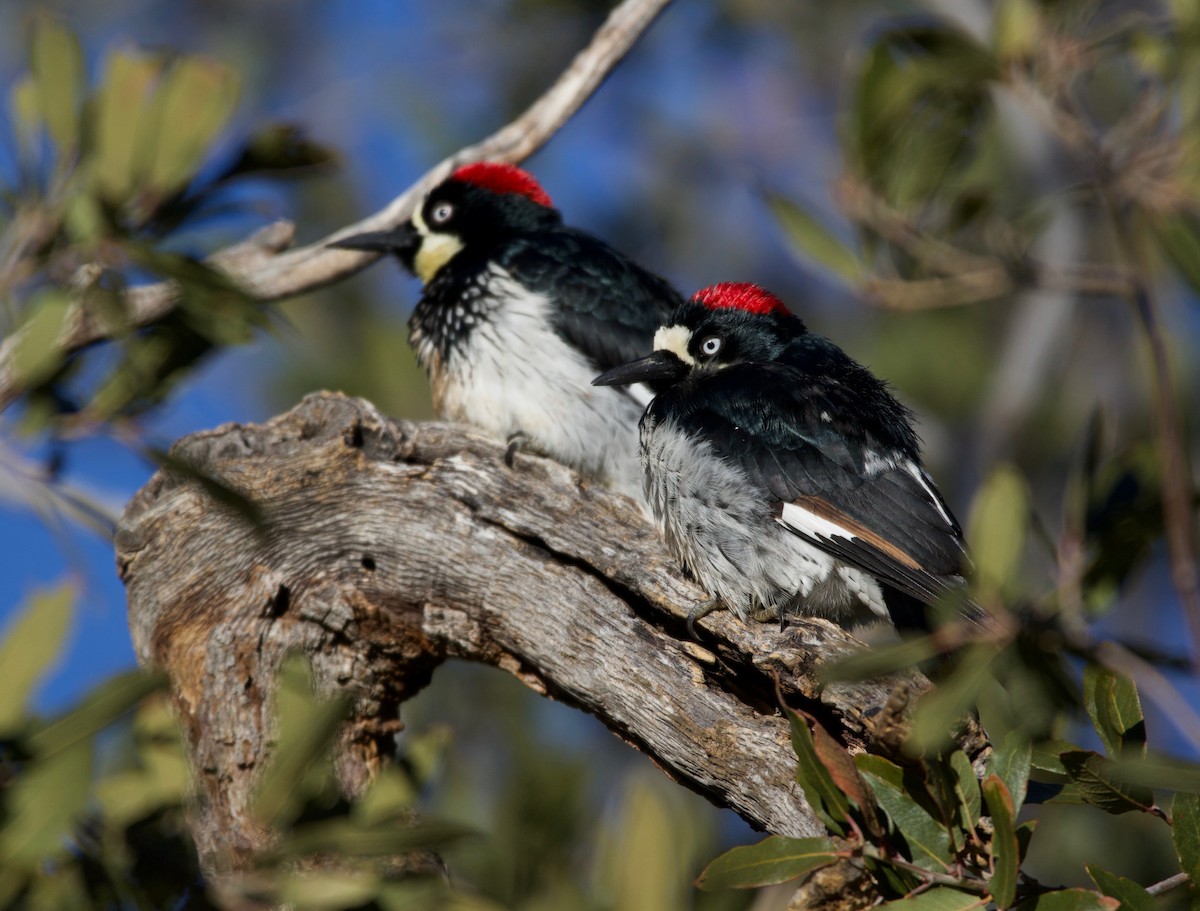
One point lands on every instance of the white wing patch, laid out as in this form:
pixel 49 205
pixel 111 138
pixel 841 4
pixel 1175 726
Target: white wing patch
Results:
pixel 809 523
pixel 923 479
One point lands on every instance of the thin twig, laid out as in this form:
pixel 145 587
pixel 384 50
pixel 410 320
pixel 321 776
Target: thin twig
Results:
pixel 269 274
pixel 1171 882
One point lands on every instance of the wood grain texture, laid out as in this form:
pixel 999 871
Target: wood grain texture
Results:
pixel 387 546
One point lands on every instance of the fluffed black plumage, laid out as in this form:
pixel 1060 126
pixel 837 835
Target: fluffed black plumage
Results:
pixel 784 474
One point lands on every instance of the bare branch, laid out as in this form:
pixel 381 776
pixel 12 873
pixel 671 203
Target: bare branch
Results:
pixel 390 546
pixel 268 273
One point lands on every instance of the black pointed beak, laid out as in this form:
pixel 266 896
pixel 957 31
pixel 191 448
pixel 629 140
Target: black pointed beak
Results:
pixel 661 366
pixel 403 241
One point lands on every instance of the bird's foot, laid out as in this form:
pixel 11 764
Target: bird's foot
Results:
pixel 516 442
pixel 699 612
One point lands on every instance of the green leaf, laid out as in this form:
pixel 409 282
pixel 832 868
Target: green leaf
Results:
pixel 941 708
pixel 121 110
pixel 1069 900
pixel 38 356
pixel 824 796
pixel 1045 755
pixel 307 728
pixel 996 531
pixel 328 889
pixel 1102 788
pixel 96 711
pixel 928 841
pixel 32 640
pixel 966 789
pixel 23 104
pixel 1004 846
pixel 1131 896
pixel 1016 29
pixel 1185 831
pixel 877 661
pixel 57 64
pixel 1113 705
pixel 1179 237
pixel 46 800
pixel 346 838
pixel 1011 762
pixel 775 859
pixel 1024 836
pixel 192 106
pixel 846 778
pixel 813 241
pixel 939 898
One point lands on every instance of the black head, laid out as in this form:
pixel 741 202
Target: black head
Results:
pixel 729 323
pixel 479 206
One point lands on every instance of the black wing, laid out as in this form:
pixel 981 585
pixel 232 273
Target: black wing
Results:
pixel 610 306
pixel 861 495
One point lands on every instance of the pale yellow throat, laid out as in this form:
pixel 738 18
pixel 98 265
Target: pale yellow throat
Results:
pixel 435 251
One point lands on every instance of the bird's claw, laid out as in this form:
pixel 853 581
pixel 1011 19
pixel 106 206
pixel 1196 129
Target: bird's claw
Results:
pixel 699 612
pixel 516 441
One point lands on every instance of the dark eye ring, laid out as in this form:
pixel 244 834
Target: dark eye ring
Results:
pixel 441 213
pixel 710 346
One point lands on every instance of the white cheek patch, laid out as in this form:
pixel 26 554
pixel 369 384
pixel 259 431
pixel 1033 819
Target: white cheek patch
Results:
pixel 435 251
pixel 675 339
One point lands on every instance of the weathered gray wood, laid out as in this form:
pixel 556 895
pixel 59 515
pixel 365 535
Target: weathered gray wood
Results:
pixel 389 546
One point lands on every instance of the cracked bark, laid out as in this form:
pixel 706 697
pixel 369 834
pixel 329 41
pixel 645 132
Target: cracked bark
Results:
pixel 386 547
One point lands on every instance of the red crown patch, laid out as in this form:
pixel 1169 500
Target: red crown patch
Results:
pixel 739 296
pixel 503 178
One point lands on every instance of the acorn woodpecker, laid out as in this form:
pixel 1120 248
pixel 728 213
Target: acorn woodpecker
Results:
pixel 519 312
pixel 783 474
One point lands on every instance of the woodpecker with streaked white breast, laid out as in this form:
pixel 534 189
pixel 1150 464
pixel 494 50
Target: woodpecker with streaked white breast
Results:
pixel 784 475
pixel 519 312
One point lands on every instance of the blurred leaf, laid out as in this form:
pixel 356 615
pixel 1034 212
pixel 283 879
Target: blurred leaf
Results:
pixel 1131 896
pixel 879 660
pixel 192 106
pixel 1185 831
pixel 813 241
pixel 32 640
pixel 1004 847
pixel 57 64
pixel 824 796
pixel 1159 772
pixel 939 898
pixel 1178 235
pixel 1016 29
pixel 121 108
pixel 775 859
pixel 1069 900
pixel 996 531
pixel 346 838
pixel 42 805
pixel 1011 763
pixel 1113 705
pixel 98 709
pixel 328 889
pixel 23 103
pixel 37 355
pixel 307 729
pixel 279 147
pixel 940 709
pixel 927 838
pixel 214 487
pixel 1100 787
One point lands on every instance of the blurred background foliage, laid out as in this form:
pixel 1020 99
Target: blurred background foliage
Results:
pixel 966 195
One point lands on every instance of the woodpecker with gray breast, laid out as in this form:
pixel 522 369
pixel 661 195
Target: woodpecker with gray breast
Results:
pixel 783 474
pixel 519 312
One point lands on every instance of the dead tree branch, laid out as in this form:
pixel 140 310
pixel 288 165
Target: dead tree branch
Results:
pixel 386 547
pixel 269 271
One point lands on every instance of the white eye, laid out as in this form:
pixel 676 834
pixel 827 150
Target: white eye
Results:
pixel 441 213
pixel 710 346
